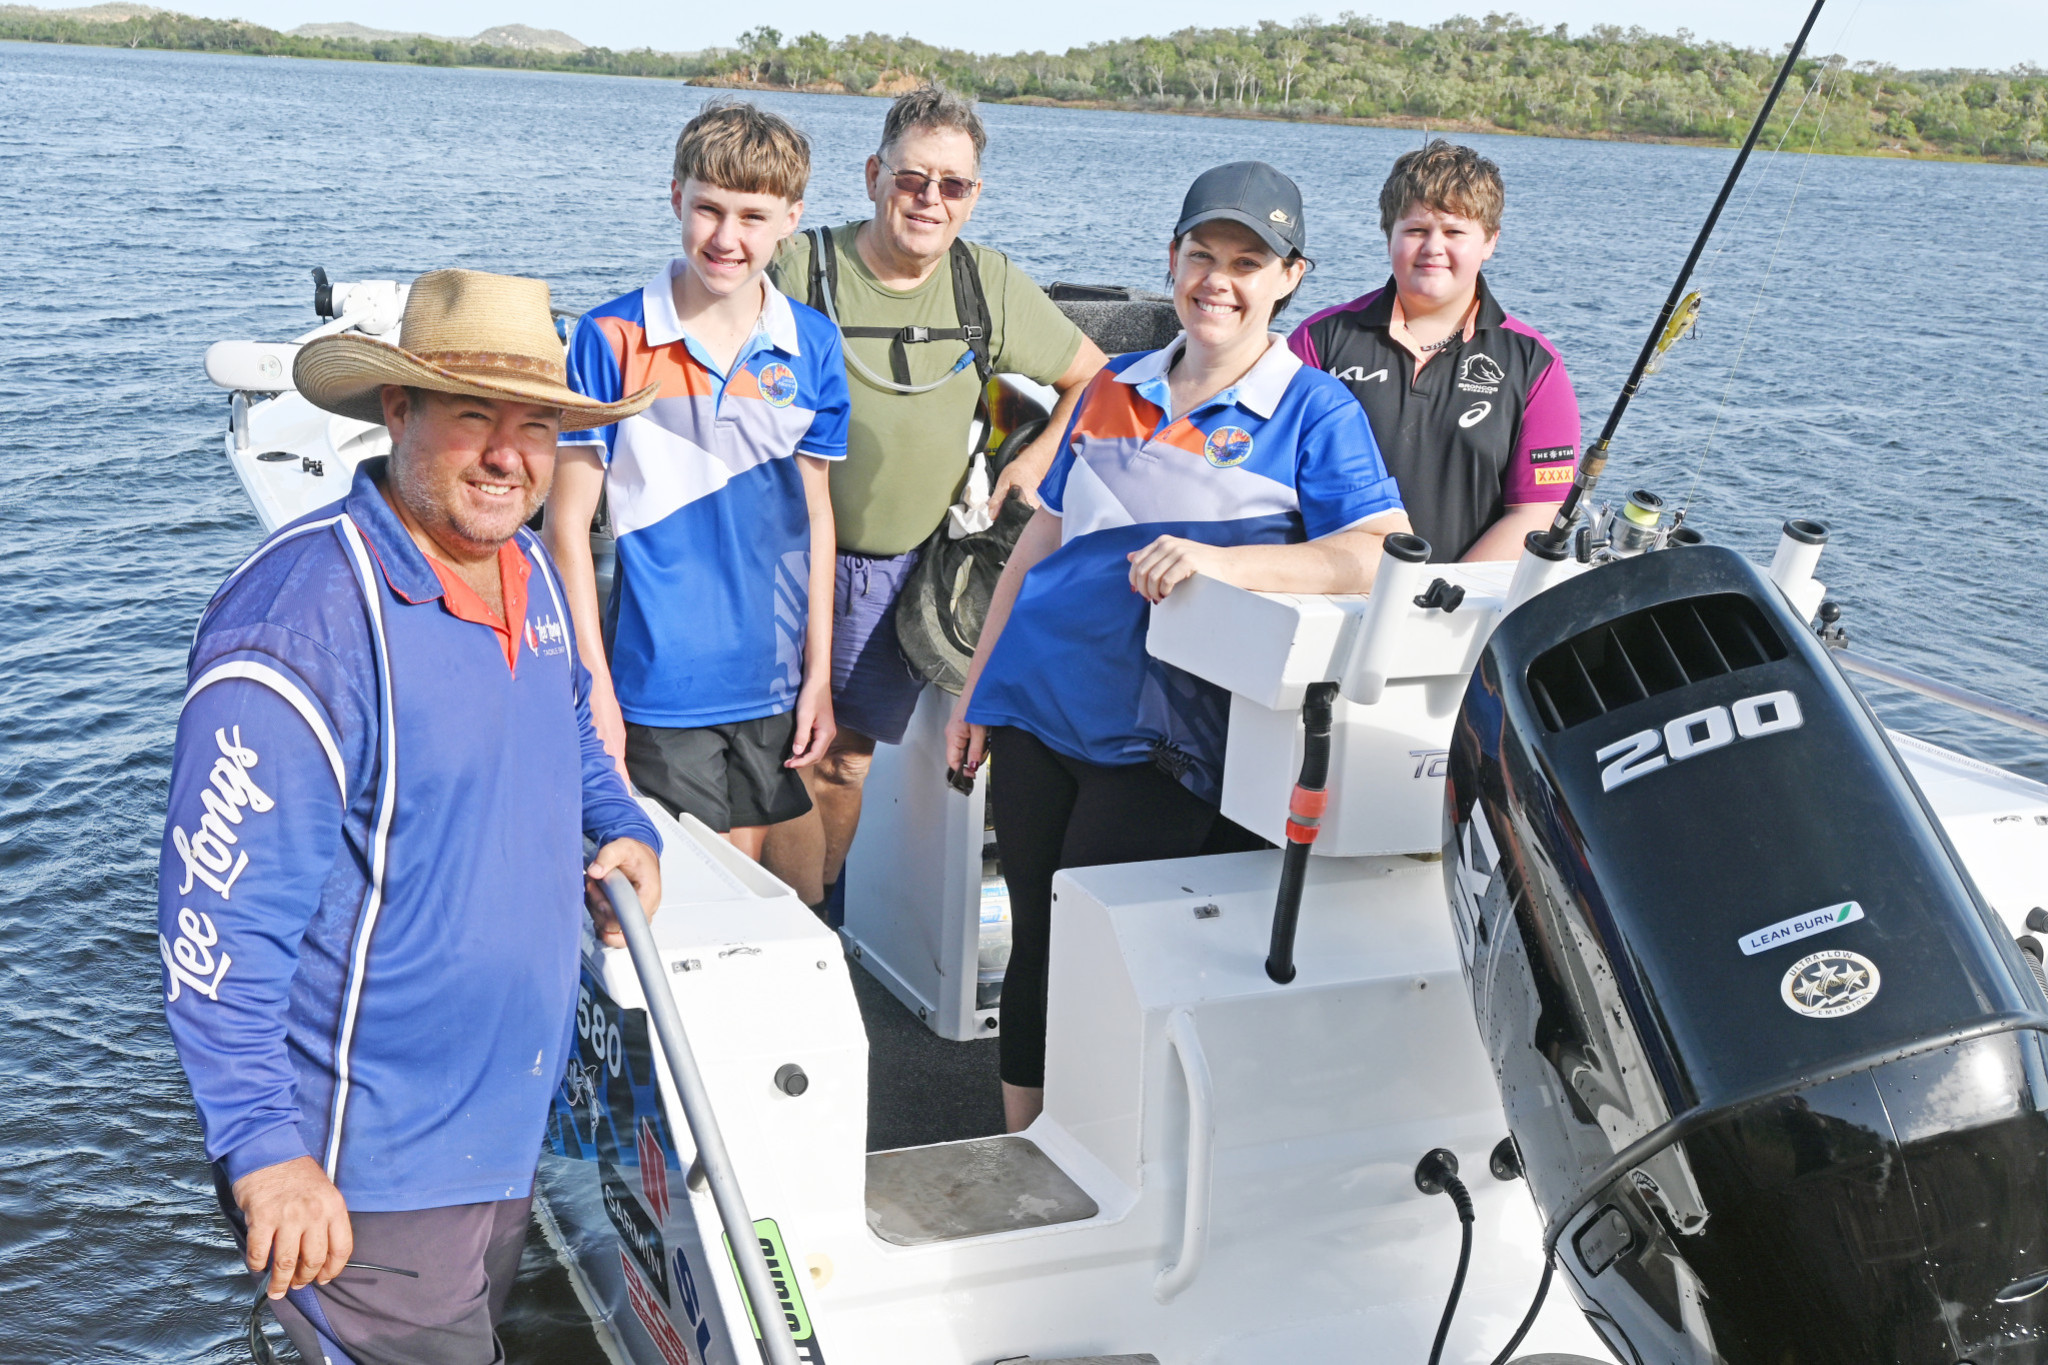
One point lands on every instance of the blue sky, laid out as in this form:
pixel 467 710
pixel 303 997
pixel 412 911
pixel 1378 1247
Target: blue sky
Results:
pixel 1910 33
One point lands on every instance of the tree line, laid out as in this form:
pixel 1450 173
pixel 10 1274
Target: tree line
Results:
pixel 1499 73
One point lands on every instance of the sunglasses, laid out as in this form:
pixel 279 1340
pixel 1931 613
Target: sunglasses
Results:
pixel 912 183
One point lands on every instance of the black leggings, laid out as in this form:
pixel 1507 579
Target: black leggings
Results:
pixel 1053 812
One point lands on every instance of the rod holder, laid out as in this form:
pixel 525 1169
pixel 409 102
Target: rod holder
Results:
pixel 1394 589
pixel 1799 547
pixel 1543 565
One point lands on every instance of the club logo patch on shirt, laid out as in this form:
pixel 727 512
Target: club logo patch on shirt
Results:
pixel 1554 474
pixel 1227 446
pixel 1480 374
pixel 1553 454
pixel 778 384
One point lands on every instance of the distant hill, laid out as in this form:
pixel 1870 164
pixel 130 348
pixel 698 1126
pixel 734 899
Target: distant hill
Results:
pixel 113 12
pixel 518 37
pixel 522 38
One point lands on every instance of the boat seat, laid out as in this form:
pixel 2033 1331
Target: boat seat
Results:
pixel 921 1195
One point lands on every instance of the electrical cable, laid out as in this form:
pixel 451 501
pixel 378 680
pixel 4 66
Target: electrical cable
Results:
pixel 1535 1307
pixel 1437 1173
pixel 1461 1197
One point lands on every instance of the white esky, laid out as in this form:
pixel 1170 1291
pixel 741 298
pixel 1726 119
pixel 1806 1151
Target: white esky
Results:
pixel 1912 34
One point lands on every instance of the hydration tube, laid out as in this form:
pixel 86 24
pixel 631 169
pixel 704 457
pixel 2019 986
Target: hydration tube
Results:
pixel 966 359
pixel 1595 460
pixel 777 1347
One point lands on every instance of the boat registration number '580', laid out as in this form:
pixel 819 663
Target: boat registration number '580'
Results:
pixel 1646 751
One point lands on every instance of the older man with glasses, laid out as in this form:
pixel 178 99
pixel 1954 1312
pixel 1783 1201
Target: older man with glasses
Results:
pixel 926 319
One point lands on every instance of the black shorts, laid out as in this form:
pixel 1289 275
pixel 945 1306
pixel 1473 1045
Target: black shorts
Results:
pixel 729 776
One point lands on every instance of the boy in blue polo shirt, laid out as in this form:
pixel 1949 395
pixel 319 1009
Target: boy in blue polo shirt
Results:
pixel 711 662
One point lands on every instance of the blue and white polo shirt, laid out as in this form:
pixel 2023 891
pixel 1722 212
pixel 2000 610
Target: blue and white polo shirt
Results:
pixel 712 593
pixel 1285 455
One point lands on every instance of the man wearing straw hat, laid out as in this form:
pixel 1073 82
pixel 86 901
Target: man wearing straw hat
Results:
pixel 384 772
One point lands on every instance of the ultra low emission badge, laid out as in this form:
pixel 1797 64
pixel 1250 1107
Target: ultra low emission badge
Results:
pixel 1830 984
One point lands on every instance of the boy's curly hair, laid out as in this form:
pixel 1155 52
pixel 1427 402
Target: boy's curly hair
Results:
pixel 1446 177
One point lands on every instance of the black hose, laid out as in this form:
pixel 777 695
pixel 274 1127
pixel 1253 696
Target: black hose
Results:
pixel 1461 1197
pixel 1304 818
pixel 1529 1319
pixel 1595 460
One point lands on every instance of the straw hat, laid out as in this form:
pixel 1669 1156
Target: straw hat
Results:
pixel 464 332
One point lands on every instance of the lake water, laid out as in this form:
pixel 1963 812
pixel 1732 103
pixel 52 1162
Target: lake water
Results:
pixel 151 203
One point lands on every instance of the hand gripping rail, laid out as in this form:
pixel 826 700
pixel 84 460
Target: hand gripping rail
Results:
pixel 777 1348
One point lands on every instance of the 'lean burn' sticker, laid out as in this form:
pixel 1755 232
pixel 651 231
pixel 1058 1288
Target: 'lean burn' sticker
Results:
pixel 1800 926
pixel 1828 985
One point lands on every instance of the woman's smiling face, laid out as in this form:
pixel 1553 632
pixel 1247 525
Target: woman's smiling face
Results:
pixel 1226 282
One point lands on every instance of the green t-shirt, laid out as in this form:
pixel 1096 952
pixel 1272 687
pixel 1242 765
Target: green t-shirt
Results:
pixel 906 454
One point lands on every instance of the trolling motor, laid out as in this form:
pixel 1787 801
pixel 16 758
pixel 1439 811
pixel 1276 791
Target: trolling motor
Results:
pixel 1776 1072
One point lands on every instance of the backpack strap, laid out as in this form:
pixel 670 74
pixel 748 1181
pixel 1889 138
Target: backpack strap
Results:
pixel 824 293
pixel 970 306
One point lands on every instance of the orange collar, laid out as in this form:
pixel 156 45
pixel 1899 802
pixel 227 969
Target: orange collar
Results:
pixel 466 604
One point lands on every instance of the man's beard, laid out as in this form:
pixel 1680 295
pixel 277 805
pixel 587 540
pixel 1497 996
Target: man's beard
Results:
pixel 419 496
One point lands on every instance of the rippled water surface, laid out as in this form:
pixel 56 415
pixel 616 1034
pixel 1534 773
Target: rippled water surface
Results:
pixel 151 203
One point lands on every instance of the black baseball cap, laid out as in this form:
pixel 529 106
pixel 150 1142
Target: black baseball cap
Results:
pixel 1251 193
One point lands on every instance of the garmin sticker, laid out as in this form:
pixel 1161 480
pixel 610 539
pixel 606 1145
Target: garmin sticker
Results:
pixel 1828 985
pixel 1800 926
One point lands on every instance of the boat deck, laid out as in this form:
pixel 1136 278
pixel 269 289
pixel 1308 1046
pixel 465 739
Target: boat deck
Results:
pixel 921 1088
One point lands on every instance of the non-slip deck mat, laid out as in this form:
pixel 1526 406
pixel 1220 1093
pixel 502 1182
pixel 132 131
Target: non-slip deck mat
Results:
pixel 920 1195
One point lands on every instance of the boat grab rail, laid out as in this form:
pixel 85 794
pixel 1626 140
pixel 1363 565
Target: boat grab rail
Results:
pixel 1960 697
pixel 777 1346
pixel 1194 1228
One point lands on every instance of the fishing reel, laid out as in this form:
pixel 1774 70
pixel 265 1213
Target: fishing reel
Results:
pixel 1637 527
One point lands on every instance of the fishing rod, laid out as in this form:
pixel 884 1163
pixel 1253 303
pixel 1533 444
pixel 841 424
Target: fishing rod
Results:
pixel 1551 543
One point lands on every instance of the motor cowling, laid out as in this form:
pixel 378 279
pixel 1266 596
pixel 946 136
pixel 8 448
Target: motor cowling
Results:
pixel 1775 1070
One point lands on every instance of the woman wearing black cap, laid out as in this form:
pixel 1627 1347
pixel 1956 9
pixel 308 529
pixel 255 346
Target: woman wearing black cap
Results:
pixel 1221 454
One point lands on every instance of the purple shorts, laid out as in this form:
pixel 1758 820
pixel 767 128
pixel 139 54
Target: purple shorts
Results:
pixel 874 688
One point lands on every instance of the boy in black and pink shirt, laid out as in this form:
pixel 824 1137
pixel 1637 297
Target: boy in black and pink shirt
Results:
pixel 1472 408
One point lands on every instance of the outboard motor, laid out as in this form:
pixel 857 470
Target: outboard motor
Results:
pixel 1775 1070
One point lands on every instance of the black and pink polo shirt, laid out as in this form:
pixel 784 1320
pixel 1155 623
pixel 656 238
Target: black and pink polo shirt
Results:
pixel 1487 423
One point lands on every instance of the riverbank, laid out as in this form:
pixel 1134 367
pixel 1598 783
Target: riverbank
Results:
pixel 1410 122
pixel 1500 75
